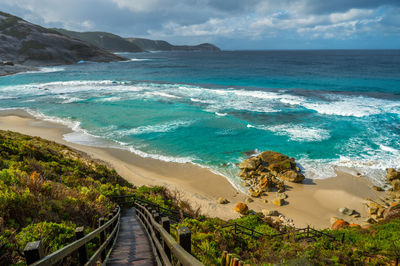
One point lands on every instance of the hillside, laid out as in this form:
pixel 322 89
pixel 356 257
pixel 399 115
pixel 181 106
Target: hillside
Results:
pixel 25 43
pixel 108 41
pixel 152 45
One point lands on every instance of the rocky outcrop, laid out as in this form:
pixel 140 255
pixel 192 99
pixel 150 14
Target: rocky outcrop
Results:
pixel 25 43
pixel 268 171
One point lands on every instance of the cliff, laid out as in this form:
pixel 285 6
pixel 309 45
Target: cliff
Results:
pixel 108 41
pixel 22 42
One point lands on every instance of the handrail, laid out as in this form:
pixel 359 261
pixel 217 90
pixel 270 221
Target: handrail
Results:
pixel 150 224
pixel 298 231
pixel 158 207
pixel 64 252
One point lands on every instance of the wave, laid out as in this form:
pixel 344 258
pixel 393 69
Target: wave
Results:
pixel 356 106
pixel 160 128
pixel 296 132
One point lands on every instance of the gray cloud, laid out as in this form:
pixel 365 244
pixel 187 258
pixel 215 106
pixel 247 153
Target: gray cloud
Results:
pixel 243 22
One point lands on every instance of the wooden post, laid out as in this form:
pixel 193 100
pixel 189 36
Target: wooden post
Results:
pixel 102 239
pixel 185 238
pixel 223 261
pixel 166 225
pixel 82 251
pixel 235 262
pixel 157 218
pixel 241 263
pixel 308 230
pixel 342 238
pixel 33 252
pixel 228 259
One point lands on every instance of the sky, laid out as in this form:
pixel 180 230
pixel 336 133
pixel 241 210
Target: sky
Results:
pixel 230 24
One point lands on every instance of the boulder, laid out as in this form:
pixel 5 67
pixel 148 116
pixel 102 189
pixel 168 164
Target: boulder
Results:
pixel 278 202
pixel 248 200
pixel 393 211
pixel 339 224
pixel 354 225
pixel 281 195
pixel 396 184
pixel 377 188
pixel 223 201
pixel 270 212
pixel 346 211
pixel 241 208
pixel 392 174
pixel 291 176
pixel 333 220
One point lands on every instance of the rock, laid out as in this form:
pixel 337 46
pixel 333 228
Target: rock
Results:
pixel 265 201
pixel 281 195
pixel 244 184
pixel 392 174
pixel 346 211
pixel 333 220
pixel 291 176
pixel 354 225
pixel 249 200
pixel 7 63
pixel 394 194
pixel 270 212
pixel 241 208
pixel 256 194
pixel 370 221
pixel 223 201
pixel 373 207
pixel 278 202
pixel 396 184
pixel 377 188
pixel 393 211
pixel 250 164
pixel 365 225
pixel 339 224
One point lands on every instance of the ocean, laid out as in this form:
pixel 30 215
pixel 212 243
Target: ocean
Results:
pixel 329 109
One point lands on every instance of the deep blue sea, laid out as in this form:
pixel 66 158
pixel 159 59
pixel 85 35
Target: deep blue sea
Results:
pixel 328 109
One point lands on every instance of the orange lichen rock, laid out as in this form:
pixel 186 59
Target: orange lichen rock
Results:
pixel 339 224
pixel 241 208
pixel 354 225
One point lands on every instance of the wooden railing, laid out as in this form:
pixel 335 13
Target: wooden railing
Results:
pixel 163 244
pixel 174 216
pixel 299 233
pixel 34 250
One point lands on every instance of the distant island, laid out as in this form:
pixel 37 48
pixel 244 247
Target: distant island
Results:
pixel 24 46
pixel 115 43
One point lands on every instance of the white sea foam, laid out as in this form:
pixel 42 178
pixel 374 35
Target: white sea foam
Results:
pixel 159 128
pixel 296 132
pixel 356 106
pixel 162 94
pixel 221 114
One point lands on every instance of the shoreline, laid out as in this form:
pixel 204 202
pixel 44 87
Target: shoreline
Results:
pixel 312 203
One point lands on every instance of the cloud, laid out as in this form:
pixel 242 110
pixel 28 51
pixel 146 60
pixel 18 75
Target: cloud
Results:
pixel 221 21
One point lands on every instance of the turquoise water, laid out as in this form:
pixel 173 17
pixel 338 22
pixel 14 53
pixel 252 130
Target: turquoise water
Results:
pixel 328 109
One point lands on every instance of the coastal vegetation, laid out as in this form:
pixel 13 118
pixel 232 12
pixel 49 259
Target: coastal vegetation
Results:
pixel 47 190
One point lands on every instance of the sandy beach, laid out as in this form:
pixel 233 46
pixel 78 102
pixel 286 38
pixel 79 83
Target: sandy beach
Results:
pixel 312 203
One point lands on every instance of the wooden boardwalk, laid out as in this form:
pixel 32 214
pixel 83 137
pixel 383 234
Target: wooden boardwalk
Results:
pixel 132 246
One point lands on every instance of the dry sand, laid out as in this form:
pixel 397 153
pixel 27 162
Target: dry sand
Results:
pixel 312 203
